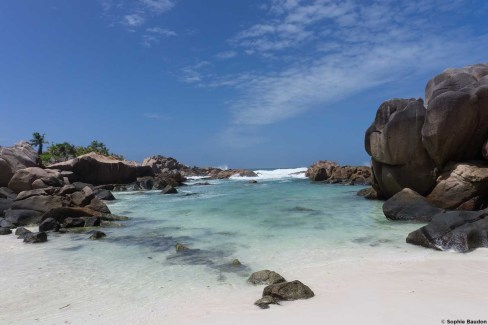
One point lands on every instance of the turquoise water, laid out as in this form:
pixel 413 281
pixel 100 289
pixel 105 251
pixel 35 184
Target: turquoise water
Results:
pixel 252 222
pixel 286 224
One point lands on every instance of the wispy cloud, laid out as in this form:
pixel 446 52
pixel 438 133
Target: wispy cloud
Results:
pixel 193 73
pixel 158 6
pixel 328 50
pixel 226 55
pixel 153 35
pixel 134 13
pixel 133 20
pixel 155 116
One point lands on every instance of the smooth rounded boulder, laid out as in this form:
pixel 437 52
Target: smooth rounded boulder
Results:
pixel 19 156
pixel 408 205
pixel 23 179
pixel 394 142
pixel 456 123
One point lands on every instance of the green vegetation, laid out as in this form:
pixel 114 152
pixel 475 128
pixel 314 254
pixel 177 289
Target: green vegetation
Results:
pixel 38 141
pixel 57 152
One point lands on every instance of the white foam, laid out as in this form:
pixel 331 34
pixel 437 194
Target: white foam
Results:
pixel 281 173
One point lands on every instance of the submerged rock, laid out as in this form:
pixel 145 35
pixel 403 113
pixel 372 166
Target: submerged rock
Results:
pixel 409 205
pixel 98 235
pixel 180 247
pixel 236 262
pixel 293 290
pixel 266 277
pixel 169 190
pixel 369 193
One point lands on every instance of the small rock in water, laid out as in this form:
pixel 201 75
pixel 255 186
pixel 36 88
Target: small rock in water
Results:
pixel 5 231
pixel 21 232
pixel 169 190
pixel 253 182
pixel 49 224
pixel 265 277
pixel 37 237
pixel 264 302
pixel 236 262
pixel 97 235
pixel 180 247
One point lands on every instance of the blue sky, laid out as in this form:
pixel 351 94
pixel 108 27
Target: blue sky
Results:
pixel 276 83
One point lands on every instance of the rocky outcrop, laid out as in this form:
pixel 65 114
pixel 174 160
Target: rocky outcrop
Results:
pixel 411 145
pixel 161 164
pixel 408 205
pixel 330 172
pixel 34 178
pixel 97 169
pixel 463 186
pixel 19 156
pixel 461 231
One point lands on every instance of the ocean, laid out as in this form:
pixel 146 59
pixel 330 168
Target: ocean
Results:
pixel 283 222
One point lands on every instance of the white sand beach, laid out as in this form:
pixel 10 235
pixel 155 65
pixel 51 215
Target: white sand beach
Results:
pixel 365 286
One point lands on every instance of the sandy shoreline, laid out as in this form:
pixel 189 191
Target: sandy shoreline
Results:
pixel 415 286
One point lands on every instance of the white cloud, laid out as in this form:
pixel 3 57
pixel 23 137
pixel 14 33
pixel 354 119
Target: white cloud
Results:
pixel 133 13
pixel 192 74
pixel 335 49
pixel 153 35
pixel 133 20
pixel 158 5
pixel 155 116
pixel 161 31
pixel 226 55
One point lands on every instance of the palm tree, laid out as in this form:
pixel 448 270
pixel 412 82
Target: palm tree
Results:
pixel 37 141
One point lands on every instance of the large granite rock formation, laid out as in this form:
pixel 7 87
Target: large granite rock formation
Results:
pixel 394 142
pixel 97 169
pixel 19 156
pixel 456 123
pixel 411 145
